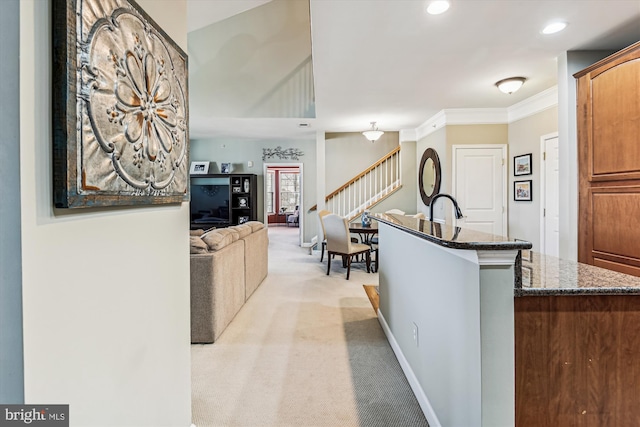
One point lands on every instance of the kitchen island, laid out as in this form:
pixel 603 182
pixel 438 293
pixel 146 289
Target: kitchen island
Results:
pixel 577 345
pixel 490 334
pixel 446 306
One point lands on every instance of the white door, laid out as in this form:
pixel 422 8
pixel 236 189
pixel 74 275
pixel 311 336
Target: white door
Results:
pixel 480 187
pixel 550 230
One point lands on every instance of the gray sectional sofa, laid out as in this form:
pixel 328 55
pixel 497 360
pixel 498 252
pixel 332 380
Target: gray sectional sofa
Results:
pixel 227 266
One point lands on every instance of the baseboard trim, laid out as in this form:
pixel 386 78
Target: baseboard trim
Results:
pixel 424 403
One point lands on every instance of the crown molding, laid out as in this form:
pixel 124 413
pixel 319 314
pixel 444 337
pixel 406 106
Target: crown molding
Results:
pixel 407 135
pixel 484 116
pixel 534 104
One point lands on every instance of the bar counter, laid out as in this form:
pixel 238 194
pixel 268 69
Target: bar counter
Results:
pixel 519 338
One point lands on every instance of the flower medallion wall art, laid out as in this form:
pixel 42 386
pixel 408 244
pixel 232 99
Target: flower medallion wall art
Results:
pixel 120 107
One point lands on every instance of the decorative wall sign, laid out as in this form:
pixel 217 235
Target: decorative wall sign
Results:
pixel 289 153
pixel 120 112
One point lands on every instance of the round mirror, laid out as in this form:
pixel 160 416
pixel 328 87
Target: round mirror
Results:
pixel 429 179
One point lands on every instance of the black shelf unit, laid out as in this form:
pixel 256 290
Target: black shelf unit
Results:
pixel 221 200
pixel 244 189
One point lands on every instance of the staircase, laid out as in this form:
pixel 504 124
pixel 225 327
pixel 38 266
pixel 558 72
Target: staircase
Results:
pixel 368 188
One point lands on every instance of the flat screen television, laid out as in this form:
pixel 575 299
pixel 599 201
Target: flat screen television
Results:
pixel 209 202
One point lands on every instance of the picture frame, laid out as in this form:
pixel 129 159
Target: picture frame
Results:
pixel 199 168
pixel 225 168
pixel 522 191
pixel 108 150
pixel 527 277
pixel 243 202
pixel 522 165
pixel 236 189
pixel 242 219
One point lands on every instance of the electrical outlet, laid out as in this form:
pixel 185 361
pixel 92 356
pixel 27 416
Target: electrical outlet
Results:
pixel 415 334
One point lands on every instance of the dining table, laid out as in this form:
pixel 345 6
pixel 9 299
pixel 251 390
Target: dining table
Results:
pixel 366 232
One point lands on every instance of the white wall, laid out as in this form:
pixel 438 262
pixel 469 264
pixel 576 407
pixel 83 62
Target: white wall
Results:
pixel 105 291
pixel 524 138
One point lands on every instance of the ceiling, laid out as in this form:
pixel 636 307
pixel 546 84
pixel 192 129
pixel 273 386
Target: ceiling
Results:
pixel 389 61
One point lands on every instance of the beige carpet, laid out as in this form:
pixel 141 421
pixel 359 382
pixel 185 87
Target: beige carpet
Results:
pixel 305 350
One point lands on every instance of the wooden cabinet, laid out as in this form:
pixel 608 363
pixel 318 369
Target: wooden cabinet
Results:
pixel 609 162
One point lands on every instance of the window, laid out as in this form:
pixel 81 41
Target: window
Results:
pixel 289 191
pixel 283 190
pixel 269 198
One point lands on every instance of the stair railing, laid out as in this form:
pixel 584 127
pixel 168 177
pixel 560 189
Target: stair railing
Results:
pixel 368 188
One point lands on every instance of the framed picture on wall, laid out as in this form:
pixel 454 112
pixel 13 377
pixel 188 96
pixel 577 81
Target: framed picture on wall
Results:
pixel 522 191
pixel 522 165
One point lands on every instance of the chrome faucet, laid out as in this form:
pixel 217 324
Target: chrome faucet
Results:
pixel 455 205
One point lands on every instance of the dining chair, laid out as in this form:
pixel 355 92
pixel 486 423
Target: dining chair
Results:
pixel 395 211
pixel 321 214
pixel 339 242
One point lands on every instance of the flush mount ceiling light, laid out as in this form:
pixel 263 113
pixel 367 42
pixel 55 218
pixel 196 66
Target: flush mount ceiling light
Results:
pixel 373 134
pixel 437 7
pixel 554 27
pixel 511 84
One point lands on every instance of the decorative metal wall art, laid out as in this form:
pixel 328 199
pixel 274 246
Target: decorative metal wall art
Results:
pixel 120 107
pixel 289 153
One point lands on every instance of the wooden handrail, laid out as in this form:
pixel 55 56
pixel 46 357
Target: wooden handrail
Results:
pixel 360 175
pixel 363 173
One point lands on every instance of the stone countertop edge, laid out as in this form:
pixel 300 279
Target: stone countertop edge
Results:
pixel 552 276
pixel 460 238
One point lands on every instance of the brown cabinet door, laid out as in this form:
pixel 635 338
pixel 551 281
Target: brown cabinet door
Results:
pixel 609 162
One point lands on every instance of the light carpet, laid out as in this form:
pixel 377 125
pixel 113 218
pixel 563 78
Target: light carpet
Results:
pixel 305 350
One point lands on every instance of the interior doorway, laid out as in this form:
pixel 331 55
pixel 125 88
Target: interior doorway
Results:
pixel 283 196
pixel 549 196
pixel 479 186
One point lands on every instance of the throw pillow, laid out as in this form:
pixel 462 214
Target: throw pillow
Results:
pixel 218 238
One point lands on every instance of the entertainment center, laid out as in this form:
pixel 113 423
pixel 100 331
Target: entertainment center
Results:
pixel 221 200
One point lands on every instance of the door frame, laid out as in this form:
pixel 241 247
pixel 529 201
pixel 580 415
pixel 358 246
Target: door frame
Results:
pixel 300 167
pixel 505 176
pixel 543 182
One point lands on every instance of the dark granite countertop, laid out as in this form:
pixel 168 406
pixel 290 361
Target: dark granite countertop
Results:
pixel 547 275
pixel 450 236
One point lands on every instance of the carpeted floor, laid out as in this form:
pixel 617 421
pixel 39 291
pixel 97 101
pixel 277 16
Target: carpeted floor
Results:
pixel 306 350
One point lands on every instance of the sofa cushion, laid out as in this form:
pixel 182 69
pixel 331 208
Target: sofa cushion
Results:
pixel 242 229
pixel 198 232
pixel 255 225
pixel 234 234
pixel 219 238
pixel 197 245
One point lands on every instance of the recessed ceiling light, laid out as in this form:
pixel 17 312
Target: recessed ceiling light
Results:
pixel 554 27
pixel 437 7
